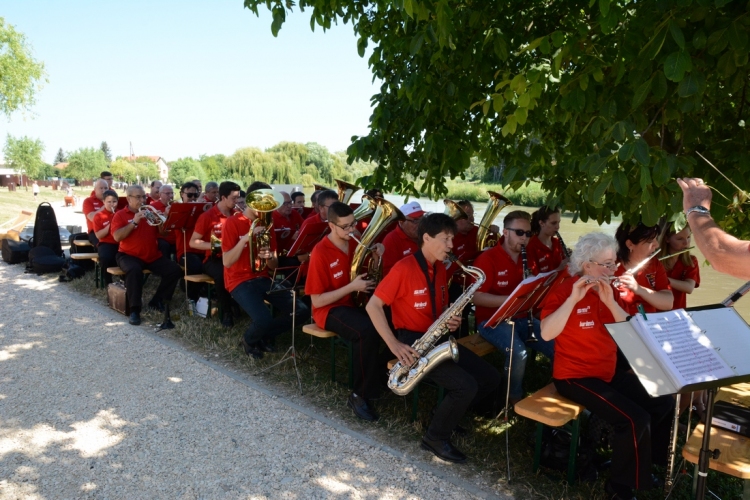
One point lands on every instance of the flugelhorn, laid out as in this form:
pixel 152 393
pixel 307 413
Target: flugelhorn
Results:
pixel 346 190
pixel 263 201
pixel 153 216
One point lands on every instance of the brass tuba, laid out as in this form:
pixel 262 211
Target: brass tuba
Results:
pixel 153 216
pixel 495 204
pixel 385 214
pixel 263 201
pixel 454 210
pixel 321 187
pixel 346 190
pixel 367 208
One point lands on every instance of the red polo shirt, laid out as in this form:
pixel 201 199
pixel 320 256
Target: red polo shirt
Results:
pixel 397 246
pixel 584 348
pixel 102 220
pixel 682 272
pixel 241 271
pixel 406 290
pixel 91 204
pixel 329 270
pixel 502 276
pixel 141 242
pixel 284 228
pixel 651 276
pixel 313 219
pixel 210 222
pixel 169 236
pixel 546 259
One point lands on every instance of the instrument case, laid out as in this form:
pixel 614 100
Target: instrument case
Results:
pixel 117 298
pixel 732 417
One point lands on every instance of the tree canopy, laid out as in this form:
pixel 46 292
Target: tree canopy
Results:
pixel 20 75
pixel 603 101
pixel 24 153
pixel 85 164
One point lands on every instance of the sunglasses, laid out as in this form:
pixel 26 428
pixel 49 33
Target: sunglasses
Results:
pixel 191 195
pixel 519 232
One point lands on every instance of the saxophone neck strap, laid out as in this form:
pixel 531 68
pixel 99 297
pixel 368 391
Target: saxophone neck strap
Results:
pixel 430 282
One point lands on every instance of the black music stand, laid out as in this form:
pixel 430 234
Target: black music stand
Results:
pixel 308 237
pixel 522 301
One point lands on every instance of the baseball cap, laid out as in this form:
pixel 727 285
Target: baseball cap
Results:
pixel 412 210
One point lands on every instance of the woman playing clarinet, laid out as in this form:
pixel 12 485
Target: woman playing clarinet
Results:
pixel 545 246
pixel 641 278
pixel 585 366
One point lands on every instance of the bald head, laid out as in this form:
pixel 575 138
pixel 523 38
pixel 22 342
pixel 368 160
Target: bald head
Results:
pixel 100 185
pixel 286 208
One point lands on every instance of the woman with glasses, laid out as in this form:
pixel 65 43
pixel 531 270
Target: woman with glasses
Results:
pixel 503 265
pixel 545 248
pixel 649 285
pixel 586 371
pixel 330 289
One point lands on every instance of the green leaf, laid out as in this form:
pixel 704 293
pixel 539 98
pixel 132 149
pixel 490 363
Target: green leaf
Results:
pixel 653 47
pixel 641 93
pixel 523 100
pixel 641 152
pixel 725 66
pixel 661 173
pixel 645 177
pixel 409 8
pixel 650 215
pixel 604 7
pixel 361 46
pixel 598 75
pixel 737 34
pixel 660 86
pixel 544 47
pixel 486 107
pixel 626 152
pixel 677 35
pixel 510 126
pixel 740 58
pixel 521 114
pixel 558 38
pixel 699 39
pixel 717 41
pixel 618 132
pixel 497 103
pixel 518 84
pixel 676 64
pixel 416 44
pixel 620 182
pixel 691 85
pixel 721 3
pixel 601 188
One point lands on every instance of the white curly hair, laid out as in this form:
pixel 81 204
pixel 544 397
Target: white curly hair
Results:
pixel 589 246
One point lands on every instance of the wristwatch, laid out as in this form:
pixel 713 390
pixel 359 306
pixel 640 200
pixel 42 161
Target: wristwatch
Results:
pixel 698 208
pixel 135 224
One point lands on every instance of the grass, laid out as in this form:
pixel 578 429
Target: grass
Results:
pixel 485 444
pixel 526 196
pixel 11 203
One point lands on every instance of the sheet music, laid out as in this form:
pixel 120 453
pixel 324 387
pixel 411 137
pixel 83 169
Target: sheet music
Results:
pixel 684 346
pixel 726 326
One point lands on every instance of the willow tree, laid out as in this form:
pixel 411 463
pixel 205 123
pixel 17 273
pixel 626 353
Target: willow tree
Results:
pixel 603 101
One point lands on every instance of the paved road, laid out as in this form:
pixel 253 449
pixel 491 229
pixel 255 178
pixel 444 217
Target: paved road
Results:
pixel 91 407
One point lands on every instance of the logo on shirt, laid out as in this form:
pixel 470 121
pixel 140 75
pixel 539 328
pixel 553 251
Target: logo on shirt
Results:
pixel 502 283
pixel 334 263
pixel 420 305
pixel 584 310
pixel 651 277
pixel 338 275
pixel 504 272
pixel 407 251
pixel 542 259
pixel 586 324
pixel 423 291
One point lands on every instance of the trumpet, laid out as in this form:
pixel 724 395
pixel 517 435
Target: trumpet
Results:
pixel 153 216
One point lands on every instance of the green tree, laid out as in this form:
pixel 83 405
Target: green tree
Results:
pixel 107 153
pixel 85 164
pixel 186 169
pixel 320 157
pixel 24 154
pixel 21 76
pixel 123 170
pixel 214 166
pixel 60 157
pixel 603 101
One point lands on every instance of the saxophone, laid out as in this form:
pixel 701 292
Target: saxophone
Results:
pixel 402 379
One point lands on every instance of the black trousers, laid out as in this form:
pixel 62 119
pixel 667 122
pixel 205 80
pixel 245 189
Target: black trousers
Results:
pixel 354 325
pixel 467 383
pixel 94 240
pixel 194 265
pixel 107 258
pixel 168 270
pixel 454 292
pixel 166 248
pixel 642 423
pixel 214 267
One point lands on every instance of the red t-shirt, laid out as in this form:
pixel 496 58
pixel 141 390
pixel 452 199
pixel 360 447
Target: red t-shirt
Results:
pixel 284 228
pixel 546 259
pixel 169 236
pixel 102 220
pixel 329 270
pixel 502 276
pixel 397 246
pixel 91 204
pixel 682 272
pixel 313 219
pixel 465 245
pixel 241 271
pixel 141 242
pixel 149 200
pixel 406 290
pixel 211 222
pixel 584 348
pixel 652 276
pixel 311 212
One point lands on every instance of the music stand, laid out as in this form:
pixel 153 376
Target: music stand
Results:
pixel 309 236
pixel 522 301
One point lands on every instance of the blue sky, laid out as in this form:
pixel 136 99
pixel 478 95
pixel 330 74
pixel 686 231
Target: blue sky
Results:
pixel 184 78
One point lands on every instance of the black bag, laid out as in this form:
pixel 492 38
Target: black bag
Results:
pixel 15 252
pixel 42 260
pixel 86 264
pixel 72 271
pixel 46 232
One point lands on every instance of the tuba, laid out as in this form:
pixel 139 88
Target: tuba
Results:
pixel 346 190
pixel 454 210
pixel 495 204
pixel 263 201
pixel 321 187
pixel 153 216
pixel 385 214
pixel 367 208
pixel 402 379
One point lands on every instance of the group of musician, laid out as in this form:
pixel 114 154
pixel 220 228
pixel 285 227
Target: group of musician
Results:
pixel 604 279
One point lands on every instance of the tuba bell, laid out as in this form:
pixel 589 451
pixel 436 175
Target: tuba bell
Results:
pixel 153 216
pixel 367 208
pixel 346 190
pixel 321 187
pixel 263 201
pixel 454 210
pixel 494 205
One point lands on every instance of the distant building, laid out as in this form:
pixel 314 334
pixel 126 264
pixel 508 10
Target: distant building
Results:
pixel 61 166
pixel 160 164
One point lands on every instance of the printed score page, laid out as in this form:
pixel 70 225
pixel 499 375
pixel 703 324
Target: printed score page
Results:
pixel 729 334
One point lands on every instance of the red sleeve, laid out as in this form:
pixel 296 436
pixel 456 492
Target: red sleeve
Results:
pixel 557 296
pixel 316 276
pixel 485 263
pixel 88 206
pixel 230 234
pixel 390 289
pixel 120 220
pixel 694 272
pixel 662 280
pixel 203 224
pixel 100 219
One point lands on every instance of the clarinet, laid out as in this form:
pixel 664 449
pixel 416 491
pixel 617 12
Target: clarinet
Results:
pixel 526 274
pixel 566 251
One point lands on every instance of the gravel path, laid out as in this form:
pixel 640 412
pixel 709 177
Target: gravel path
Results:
pixel 91 407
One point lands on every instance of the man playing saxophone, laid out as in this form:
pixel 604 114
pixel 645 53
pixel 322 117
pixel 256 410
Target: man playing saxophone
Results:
pixel 330 288
pixel 416 291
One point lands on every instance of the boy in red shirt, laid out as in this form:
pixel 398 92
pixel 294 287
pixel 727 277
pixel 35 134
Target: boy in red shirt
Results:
pixel 249 288
pixel 138 251
pixel 107 247
pixel 286 225
pixel 330 288
pixel 416 291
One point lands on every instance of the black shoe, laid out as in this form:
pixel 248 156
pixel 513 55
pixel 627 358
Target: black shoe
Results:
pixel 156 305
pixel 444 449
pixel 265 346
pixel 228 321
pixel 361 408
pixel 135 318
pixel 251 350
pixel 616 491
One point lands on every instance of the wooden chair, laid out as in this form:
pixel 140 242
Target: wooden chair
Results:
pixel 205 278
pixel 16 224
pixel 315 331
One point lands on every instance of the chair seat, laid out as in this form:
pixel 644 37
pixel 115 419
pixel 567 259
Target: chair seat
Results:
pixel 316 331
pixel 84 256
pixel 548 407
pixel 82 243
pixel 116 271
pixel 199 278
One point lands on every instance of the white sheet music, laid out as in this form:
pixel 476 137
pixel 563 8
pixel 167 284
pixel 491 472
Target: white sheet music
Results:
pixel 726 329
pixel 683 345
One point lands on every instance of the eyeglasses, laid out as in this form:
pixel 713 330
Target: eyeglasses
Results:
pixel 611 267
pixel 191 195
pixel 347 227
pixel 520 232
pixel 413 221
pixel 137 197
